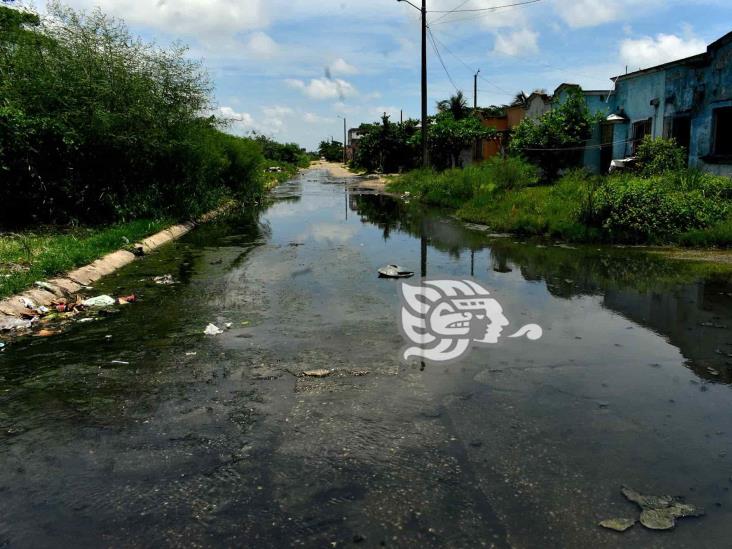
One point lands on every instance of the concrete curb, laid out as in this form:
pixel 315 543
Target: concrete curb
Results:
pixel 71 283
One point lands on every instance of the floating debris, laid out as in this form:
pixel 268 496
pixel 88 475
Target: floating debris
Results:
pixel 11 324
pixel 317 373
pixel 99 301
pixel 618 524
pixel 661 512
pixel 164 280
pixel 120 362
pixel 713 325
pixel 213 330
pixel 395 271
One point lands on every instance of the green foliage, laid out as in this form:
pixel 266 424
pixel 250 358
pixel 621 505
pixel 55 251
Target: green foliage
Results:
pixel 388 147
pixel 632 208
pixel 457 106
pixel 283 153
pixel 453 188
pixel 449 137
pixel 331 151
pixel 554 142
pixel 659 156
pixel 27 257
pixel 97 126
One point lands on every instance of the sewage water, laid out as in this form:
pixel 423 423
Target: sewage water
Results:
pixel 139 431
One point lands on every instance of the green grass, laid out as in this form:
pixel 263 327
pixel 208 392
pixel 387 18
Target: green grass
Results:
pixel 31 256
pixel 686 207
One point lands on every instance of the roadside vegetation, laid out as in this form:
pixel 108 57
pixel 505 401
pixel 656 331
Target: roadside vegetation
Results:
pixel 537 191
pixel 102 136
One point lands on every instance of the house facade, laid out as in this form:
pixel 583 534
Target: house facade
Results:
pixel 689 100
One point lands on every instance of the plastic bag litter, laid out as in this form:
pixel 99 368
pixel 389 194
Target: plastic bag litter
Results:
pixel 395 271
pixel 213 330
pixel 100 301
pixel 165 280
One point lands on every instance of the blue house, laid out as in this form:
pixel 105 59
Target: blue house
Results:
pixel 689 100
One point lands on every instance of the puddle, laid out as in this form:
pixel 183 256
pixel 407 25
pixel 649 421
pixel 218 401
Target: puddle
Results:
pixel 161 435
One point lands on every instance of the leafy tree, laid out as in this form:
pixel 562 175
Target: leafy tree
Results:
pixel 97 126
pixel 331 150
pixel 457 105
pixel 556 140
pixel 449 137
pixel 387 147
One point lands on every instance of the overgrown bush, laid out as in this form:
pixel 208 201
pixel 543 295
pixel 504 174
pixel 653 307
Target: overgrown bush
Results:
pixel 650 209
pixel 452 188
pixel 97 126
pixel 659 156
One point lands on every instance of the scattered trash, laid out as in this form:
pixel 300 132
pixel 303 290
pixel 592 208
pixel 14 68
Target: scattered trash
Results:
pixel 99 301
pixel 228 325
pixel 661 512
pixel 213 330
pixel 84 320
pixel 120 362
pixel 394 271
pixel 713 325
pixel 127 299
pixel 46 286
pixel 165 280
pixel 618 524
pixel 2 346
pixel 317 373
pixel 191 354
pixel 11 324
pixel 27 303
pixel 46 333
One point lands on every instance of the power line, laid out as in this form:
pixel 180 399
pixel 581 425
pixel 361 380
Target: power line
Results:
pixel 472 70
pixel 474 17
pixel 449 12
pixel 456 10
pixel 442 62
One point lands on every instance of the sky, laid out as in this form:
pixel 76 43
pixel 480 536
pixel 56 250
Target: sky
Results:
pixel 291 68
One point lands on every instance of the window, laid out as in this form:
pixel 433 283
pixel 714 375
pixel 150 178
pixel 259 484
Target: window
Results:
pixel 640 130
pixel 722 132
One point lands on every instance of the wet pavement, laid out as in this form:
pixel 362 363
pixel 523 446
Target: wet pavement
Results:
pixel 220 441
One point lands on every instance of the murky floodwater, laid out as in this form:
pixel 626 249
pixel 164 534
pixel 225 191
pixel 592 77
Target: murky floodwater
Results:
pixel 524 444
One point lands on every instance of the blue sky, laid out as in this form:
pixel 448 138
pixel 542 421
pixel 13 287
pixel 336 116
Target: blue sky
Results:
pixel 288 68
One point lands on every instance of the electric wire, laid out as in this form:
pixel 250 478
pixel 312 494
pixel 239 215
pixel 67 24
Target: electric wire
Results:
pixel 442 61
pixel 493 8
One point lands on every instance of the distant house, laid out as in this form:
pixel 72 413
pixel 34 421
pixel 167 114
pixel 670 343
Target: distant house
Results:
pixel 537 104
pixel 689 100
pixel 353 139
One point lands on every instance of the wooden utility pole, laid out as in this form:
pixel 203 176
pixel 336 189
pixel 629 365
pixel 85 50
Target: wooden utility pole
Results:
pixel 425 121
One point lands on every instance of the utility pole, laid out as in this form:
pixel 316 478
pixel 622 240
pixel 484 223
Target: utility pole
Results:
pixel 425 149
pixel 345 144
pixel 475 90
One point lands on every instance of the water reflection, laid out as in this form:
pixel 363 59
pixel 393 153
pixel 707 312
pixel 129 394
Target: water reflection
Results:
pixel 688 303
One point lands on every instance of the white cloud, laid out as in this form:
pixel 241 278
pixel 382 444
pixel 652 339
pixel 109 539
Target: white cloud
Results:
pixel 277 111
pixel 323 88
pixel 240 122
pixel 188 17
pixel 521 42
pixel 312 118
pixel 648 51
pixel 340 67
pixel 590 13
pixel 261 45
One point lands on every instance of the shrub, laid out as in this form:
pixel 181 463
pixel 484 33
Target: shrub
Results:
pixel 659 156
pixel 637 209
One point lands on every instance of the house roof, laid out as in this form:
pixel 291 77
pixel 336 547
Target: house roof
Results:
pixel 699 59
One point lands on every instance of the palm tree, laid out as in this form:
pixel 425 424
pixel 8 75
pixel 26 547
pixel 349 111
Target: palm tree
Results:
pixel 519 99
pixel 457 105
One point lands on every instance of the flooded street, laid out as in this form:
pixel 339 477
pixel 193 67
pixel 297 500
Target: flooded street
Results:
pixel 161 436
